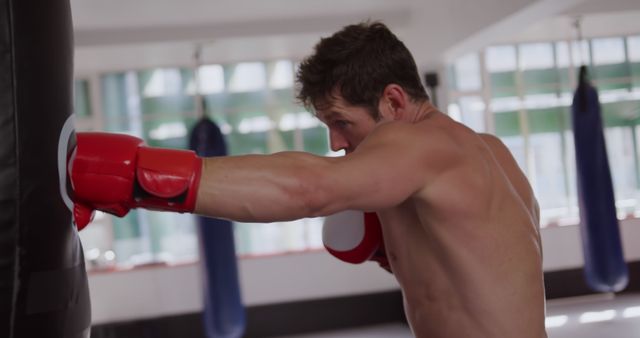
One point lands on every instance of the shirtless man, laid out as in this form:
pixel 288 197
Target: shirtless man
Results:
pixel 459 219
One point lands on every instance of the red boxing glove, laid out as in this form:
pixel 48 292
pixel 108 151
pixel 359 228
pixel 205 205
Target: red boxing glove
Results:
pixel 115 173
pixel 355 237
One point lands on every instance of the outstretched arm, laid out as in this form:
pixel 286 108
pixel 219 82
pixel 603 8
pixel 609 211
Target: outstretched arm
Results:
pixel 386 169
pixel 115 173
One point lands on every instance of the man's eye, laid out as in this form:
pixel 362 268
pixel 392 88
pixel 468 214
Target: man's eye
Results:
pixel 340 124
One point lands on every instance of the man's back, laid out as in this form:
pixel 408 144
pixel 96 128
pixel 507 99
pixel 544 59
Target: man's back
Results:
pixel 466 248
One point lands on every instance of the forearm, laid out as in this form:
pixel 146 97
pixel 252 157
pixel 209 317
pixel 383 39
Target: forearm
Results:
pixel 263 188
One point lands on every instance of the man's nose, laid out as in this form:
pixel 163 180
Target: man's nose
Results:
pixel 338 142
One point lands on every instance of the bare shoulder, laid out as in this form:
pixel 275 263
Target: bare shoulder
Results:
pixel 399 159
pixel 503 156
pixel 495 144
pixel 426 137
pixel 433 146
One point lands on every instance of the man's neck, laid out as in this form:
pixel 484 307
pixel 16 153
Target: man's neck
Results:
pixel 423 111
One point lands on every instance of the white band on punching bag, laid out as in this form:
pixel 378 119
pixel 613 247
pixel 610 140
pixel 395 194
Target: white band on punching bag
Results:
pixel 63 152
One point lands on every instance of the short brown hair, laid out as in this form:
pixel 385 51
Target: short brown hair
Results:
pixel 359 61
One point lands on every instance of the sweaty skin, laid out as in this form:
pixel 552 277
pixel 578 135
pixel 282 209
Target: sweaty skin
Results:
pixel 459 219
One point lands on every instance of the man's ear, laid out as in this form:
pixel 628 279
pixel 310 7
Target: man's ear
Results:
pixel 393 102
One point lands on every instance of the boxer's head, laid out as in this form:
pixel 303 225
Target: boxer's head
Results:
pixel 354 77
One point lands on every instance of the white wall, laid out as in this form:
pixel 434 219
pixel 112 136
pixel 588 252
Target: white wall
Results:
pixel 161 291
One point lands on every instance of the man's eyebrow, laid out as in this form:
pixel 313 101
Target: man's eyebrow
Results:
pixel 332 115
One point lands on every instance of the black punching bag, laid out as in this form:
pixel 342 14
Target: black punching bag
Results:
pixel 43 282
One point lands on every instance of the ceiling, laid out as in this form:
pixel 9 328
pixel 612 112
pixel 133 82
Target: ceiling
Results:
pixel 129 34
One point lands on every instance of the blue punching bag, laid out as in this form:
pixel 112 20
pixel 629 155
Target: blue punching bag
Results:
pixel 604 265
pixel 43 282
pixel 224 315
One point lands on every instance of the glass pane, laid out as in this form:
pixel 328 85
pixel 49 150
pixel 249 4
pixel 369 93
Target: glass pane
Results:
pixel 562 54
pixel 611 76
pixel 253 103
pixel 113 95
pixel 281 75
pixel 507 124
pixel 563 64
pixel 254 124
pixel 503 84
pixel 581 53
pixel 608 51
pixel 536 56
pixel 251 143
pixel 637 156
pixel 167 105
pixel 541 81
pixel 82 105
pixel 97 239
pixel 621 156
pixel 173 236
pixel 548 179
pixel 168 132
pixel 472 112
pixel 301 120
pixel 161 82
pixel 501 59
pixel 247 77
pixel 616 112
pixel 546 120
pixel 633 48
pixel 316 140
pixel 453 110
pixel 129 243
pixel 540 101
pixel 467 73
pixel 165 91
pixel 515 144
pixel 278 237
pixel 572 178
pixel 506 104
pixel 635 73
pixel 313 232
pixel 210 80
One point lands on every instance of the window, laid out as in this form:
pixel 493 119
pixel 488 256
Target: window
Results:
pixel 622 161
pixel 470 111
pixel 536 56
pixel 252 102
pixel 501 59
pixel 282 75
pixel 633 48
pixel 608 51
pixel 82 105
pixel 501 63
pixel 247 77
pixel 529 90
pixel 467 73
pixel 210 80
